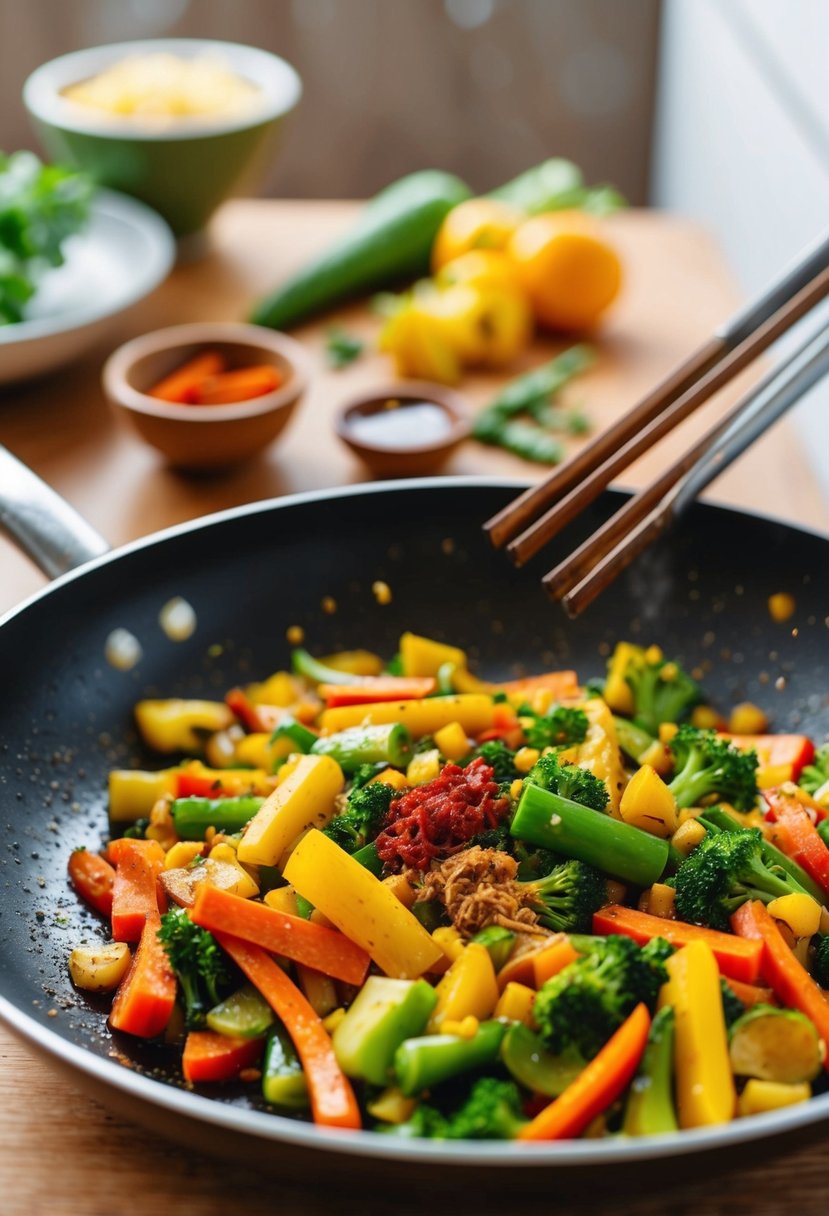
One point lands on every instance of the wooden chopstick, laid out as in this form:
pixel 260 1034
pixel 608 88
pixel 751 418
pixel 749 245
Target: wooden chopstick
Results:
pixel 514 521
pixel 592 568
pixel 533 538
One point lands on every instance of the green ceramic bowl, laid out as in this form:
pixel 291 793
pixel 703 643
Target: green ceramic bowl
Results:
pixel 185 168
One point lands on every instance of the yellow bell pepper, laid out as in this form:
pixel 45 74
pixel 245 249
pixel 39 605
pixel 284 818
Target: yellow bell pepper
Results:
pixel 761 1096
pixel 600 751
pixel 617 692
pixel 282 899
pixel 799 911
pixel 182 853
pixel 176 725
pixel 452 741
pixel 361 907
pixel 418 343
pixel 390 1106
pixel 704 1081
pixel 423 767
pixel 392 777
pixel 661 899
pixel 231 781
pixel 468 988
pixel 280 689
pixel 258 750
pixel 516 1003
pixel 687 836
pixel 450 942
pixel 647 803
pixel 421 656
pixel 304 800
pixel 244 886
pixel 401 889
pixel 525 758
pixel 133 794
pixel 475 714
pixel 355 662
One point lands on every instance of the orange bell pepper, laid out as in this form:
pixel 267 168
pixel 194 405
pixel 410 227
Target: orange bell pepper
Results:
pixel 217 1057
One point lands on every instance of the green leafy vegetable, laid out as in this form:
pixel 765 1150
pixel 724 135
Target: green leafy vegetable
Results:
pixel 342 348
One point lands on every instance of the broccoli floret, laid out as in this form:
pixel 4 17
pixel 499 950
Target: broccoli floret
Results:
pixel 662 692
pixel 588 1001
pixel 362 775
pixel 363 816
pixel 491 1112
pixel 707 766
pixel 820 964
pixel 201 968
pixel 732 1006
pixel 657 951
pixel 567 897
pixel 561 727
pixel 497 838
pixel 533 863
pixel 816 774
pixel 722 872
pixel 569 781
pixel 498 756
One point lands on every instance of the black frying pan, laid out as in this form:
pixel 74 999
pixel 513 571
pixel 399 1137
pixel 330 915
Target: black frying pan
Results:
pixel 66 715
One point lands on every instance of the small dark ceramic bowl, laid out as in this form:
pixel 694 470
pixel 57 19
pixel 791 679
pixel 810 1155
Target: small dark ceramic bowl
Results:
pixel 411 457
pixel 195 437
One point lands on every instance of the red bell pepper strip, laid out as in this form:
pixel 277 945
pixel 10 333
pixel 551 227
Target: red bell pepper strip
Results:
pixel 794 833
pixel 332 1098
pixel 737 959
pixel 316 946
pixel 377 688
pixel 198 781
pixel 606 1077
pixel 781 970
pixel 135 889
pixel 505 726
pixel 92 878
pixel 146 995
pixel 258 718
pixel 217 1057
pixel 796 751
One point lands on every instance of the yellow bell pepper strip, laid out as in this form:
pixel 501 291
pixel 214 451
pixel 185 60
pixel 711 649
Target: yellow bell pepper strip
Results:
pixel 758 1097
pixel 617 692
pixel 355 662
pixel 705 1091
pixel 391 1106
pixel 133 794
pixel 361 907
pixel 332 1099
pixel 473 711
pixel 469 987
pixel 300 940
pixel 790 980
pixel 647 803
pixel 176 725
pixel 452 741
pixel 383 1015
pixel 799 911
pixel 304 800
pixel 600 754
pixel 597 1086
pixel 515 1004
pixel 320 990
pixel 421 656
pixel 737 959
pixel 196 780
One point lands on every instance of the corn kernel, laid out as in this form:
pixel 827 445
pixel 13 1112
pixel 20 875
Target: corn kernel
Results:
pixel 515 1003
pixel 525 758
pixel 466 1028
pixel 761 1096
pixel 781 606
pixel 705 717
pixel 667 730
pixel 747 719
pixel 516 788
pixel 687 836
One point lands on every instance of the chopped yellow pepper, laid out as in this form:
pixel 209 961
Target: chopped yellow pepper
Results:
pixel 244 886
pixel 421 656
pixel 516 1003
pixel 280 689
pixel 474 712
pixel 687 836
pixel 133 794
pixel 469 987
pixel 182 853
pixel 282 899
pixel 647 803
pixel 392 777
pixel 600 754
pixel 361 907
pixel 704 1081
pixel 176 725
pixel 305 799
pixel 761 1096
pixel 617 692
pixel 450 942
pixel 390 1106
pixel 423 767
pixel 452 741
pixel 355 662
pixel 258 750
pixel 799 911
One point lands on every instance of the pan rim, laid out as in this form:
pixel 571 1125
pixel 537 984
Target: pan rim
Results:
pixel 267 1127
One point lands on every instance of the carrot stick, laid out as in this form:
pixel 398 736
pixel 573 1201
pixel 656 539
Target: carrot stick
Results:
pixel 217 1057
pixel 243 384
pixel 135 886
pixel 315 946
pixel 794 833
pixel 92 878
pixel 594 1089
pixel 750 994
pixel 332 1098
pixel 736 958
pixel 180 386
pixel 781 970
pixel 146 995
pixel 377 688
pixel 559 683
pixel 548 962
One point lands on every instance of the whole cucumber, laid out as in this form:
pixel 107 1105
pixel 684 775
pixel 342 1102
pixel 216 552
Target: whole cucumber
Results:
pixel 391 242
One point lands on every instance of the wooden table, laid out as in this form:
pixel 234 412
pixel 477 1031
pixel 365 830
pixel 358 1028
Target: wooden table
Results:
pixel 60 1151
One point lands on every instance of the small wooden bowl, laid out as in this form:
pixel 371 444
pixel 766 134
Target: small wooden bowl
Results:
pixel 194 437
pixel 408 459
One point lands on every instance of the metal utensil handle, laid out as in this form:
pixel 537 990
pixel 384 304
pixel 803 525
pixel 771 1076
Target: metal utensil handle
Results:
pixel 796 275
pixel 41 523
pixel 775 395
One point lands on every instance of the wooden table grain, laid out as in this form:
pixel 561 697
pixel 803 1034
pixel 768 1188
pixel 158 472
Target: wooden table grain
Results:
pixel 62 1152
